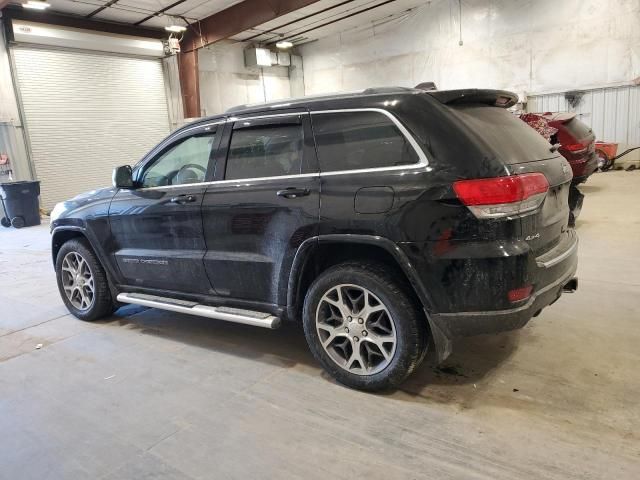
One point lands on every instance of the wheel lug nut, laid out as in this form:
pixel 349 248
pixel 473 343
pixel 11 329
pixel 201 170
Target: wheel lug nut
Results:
pixel 364 333
pixel 360 321
pixel 349 319
pixel 355 339
pixel 346 329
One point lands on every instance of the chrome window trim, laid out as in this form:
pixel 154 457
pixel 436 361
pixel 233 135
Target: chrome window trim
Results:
pixel 241 182
pixel 266 115
pixel 422 163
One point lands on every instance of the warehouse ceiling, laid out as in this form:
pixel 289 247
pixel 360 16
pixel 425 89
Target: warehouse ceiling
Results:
pixel 322 18
pixel 327 17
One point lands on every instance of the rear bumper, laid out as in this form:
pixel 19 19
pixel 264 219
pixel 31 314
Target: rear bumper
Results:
pixel 583 168
pixel 472 300
pixel 466 285
pixel 463 324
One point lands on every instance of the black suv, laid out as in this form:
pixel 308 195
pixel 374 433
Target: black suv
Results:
pixel 389 222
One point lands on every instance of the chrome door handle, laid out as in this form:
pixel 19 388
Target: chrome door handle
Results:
pixel 181 199
pixel 293 192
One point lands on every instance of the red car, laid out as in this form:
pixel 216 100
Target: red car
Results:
pixel 576 143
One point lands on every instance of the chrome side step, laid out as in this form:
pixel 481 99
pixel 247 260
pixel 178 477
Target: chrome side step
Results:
pixel 236 315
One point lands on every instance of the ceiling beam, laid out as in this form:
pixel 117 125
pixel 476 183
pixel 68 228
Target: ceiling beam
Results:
pixel 236 19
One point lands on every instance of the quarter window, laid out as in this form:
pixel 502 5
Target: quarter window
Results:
pixel 358 140
pixel 184 162
pixel 265 151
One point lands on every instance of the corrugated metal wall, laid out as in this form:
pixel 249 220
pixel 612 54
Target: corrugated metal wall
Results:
pixel 613 113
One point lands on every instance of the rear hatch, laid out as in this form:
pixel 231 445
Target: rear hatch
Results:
pixel 546 227
pixel 576 139
pixel 503 137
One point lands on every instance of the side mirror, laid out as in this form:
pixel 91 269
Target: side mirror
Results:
pixel 122 177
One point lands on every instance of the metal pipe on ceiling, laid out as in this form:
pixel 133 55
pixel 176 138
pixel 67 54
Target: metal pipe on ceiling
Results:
pixel 99 9
pixel 298 20
pixel 353 14
pixel 160 12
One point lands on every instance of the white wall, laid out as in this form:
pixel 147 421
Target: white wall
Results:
pixel 532 46
pixel 225 81
pixel 12 141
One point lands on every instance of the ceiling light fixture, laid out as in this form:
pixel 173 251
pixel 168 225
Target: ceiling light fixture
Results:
pixel 284 44
pixel 36 4
pixel 175 28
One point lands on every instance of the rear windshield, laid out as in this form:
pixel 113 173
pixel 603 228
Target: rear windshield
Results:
pixel 508 137
pixel 577 129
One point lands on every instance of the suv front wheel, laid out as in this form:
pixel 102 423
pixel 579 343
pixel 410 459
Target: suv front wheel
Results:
pixel 363 327
pixel 82 281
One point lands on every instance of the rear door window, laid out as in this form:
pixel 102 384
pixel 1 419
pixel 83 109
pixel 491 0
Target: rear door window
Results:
pixel 265 151
pixel 360 140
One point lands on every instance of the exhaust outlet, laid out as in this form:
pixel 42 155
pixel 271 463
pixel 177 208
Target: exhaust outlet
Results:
pixel 571 286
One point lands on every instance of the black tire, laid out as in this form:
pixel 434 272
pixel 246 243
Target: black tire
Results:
pixel 6 223
pixel 102 304
pixel 410 324
pixel 17 222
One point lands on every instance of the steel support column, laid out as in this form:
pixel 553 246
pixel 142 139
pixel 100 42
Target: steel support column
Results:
pixel 231 21
pixel 189 83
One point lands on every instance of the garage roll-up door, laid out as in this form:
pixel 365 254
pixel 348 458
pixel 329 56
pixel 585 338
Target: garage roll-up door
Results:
pixel 87 113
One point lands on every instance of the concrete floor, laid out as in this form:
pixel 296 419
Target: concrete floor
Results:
pixel 152 394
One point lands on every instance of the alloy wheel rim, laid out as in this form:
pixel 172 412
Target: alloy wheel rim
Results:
pixel 77 281
pixel 356 329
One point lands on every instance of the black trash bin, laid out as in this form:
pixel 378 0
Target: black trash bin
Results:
pixel 20 202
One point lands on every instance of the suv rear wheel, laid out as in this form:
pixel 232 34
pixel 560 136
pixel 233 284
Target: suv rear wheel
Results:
pixel 362 326
pixel 82 281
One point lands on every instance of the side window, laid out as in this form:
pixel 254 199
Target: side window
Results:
pixel 184 162
pixel 357 140
pixel 265 151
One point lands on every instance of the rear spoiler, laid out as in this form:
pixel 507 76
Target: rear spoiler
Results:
pixel 495 98
pixel 562 117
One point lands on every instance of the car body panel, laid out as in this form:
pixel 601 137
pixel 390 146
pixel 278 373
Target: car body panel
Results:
pixel 158 243
pixel 251 232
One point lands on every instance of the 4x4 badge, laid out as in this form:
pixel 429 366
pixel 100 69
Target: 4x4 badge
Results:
pixel 532 237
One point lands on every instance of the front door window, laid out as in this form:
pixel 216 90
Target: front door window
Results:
pixel 183 163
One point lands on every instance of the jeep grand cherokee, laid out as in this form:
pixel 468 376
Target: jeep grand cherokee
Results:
pixel 388 222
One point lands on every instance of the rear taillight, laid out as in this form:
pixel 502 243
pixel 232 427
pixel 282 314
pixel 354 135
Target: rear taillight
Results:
pixel 574 147
pixel 502 196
